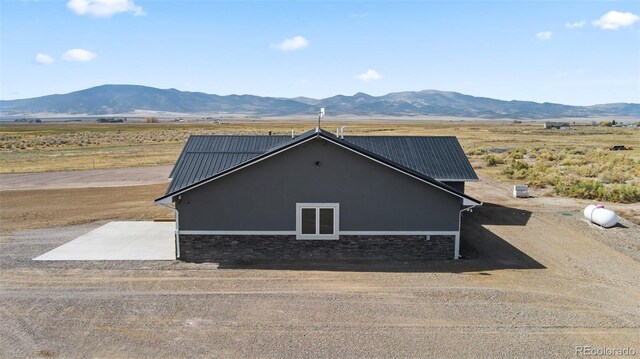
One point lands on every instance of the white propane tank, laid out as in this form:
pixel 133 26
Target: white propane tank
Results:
pixel 599 215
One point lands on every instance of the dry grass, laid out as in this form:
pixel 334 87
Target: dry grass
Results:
pixel 78 146
pixel 571 162
pixel 62 207
pixel 74 146
pixel 570 171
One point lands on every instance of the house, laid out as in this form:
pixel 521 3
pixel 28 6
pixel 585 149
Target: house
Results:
pixel 318 191
pixel 557 125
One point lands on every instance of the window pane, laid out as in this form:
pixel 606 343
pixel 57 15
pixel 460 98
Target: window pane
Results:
pixel 326 220
pixel 308 221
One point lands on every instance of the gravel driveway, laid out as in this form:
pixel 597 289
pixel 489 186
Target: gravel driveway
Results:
pixel 531 286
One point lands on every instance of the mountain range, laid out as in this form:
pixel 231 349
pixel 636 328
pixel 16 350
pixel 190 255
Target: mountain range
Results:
pixel 122 99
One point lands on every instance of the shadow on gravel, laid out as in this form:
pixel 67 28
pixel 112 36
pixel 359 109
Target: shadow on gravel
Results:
pixel 481 250
pixel 495 214
pixel 620 225
pixel 478 242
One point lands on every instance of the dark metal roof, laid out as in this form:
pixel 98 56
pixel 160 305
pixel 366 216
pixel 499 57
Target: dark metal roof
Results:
pixel 441 158
pixel 429 158
pixel 206 156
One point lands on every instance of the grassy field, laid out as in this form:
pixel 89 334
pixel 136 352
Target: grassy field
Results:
pixel 570 163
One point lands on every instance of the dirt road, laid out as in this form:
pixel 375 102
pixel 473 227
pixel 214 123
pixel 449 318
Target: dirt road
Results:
pixel 115 177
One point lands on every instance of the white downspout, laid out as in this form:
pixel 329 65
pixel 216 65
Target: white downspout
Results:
pixel 456 249
pixel 177 231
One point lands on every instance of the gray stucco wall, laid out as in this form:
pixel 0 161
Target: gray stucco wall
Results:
pixel 372 197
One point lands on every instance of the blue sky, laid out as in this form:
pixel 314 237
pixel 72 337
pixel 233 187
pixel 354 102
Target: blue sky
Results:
pixel 572 52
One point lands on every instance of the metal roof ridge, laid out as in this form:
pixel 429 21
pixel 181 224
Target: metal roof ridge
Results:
pixel 319 132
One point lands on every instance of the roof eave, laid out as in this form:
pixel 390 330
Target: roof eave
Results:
pixel 457 179
pixel 398 167
pixel 168 197
pixel 164 200
pixel 302 138
pixel 468 203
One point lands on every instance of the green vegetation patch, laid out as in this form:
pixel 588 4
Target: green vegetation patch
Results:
pixel 571 171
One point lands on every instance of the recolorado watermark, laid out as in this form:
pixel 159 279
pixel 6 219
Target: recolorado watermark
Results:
pixel 590 351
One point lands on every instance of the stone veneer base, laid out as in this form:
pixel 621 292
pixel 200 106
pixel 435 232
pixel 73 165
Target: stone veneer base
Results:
pixel 282 249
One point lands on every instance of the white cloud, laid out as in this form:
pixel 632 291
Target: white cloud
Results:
pixel 79 55
pixel 294 43
pixel 575 25
pixel 43 59
pixel 359 16
pixel 369 76
pixel 613 20
pixel 544 36
pixel 104 8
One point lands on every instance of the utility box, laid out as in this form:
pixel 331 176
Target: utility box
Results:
pixel 521 191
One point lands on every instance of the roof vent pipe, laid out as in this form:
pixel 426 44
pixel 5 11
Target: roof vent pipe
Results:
pixel 292 133
pixel 342 132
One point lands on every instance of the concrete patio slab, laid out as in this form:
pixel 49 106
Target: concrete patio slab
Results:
pixel 119 241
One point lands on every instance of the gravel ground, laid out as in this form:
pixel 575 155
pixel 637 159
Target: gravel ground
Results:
pixel 536 281
pixel 531 285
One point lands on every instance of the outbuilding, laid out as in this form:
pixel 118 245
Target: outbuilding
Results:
pixel 557 125
pixel 319 194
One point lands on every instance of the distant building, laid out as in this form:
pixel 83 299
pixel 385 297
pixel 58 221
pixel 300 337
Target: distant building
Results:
pixel 557 125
